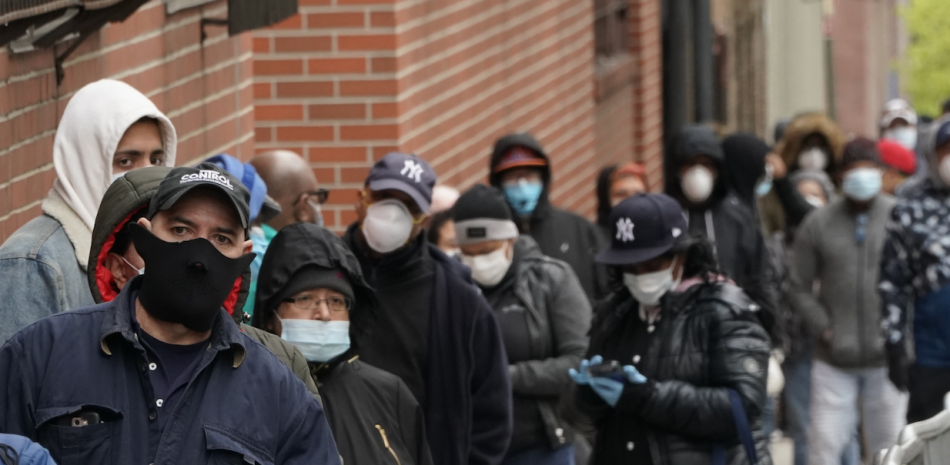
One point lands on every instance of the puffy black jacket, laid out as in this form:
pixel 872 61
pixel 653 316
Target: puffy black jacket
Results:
pixel 707 339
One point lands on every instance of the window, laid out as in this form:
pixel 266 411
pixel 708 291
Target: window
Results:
pixel 611 31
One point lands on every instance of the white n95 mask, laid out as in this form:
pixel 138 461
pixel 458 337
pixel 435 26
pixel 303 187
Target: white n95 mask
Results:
pixel 387 225
pixel 698 183
pixel 649 288
pixel 488 270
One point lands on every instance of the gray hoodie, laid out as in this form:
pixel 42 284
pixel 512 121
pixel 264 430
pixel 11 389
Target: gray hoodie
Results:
pixel 827 253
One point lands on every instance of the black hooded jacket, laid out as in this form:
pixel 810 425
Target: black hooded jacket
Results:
pixel 745 165
pixel 464 370
pixel 373 416
pixel 561 234
pixel 739 245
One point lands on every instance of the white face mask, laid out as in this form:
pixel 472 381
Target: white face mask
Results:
pixel 387 226
pixel 698 183
pixel 906 136
pixel 489 269
pixel 116 176
pixel 944 170
pixel 139 271
pixel 813 159
pixel 318 341
pixel 648 288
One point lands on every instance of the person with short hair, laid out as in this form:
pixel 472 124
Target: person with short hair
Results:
pixel 674 352
pixel 160 374
pixel 837 249
pixel 108 128
pixel 433 330
pixel 544 317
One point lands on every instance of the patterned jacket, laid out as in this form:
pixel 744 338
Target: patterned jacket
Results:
pixel 916 264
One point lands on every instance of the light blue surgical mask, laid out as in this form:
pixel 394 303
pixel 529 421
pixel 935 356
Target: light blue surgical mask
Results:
pixel 317 213
pixel 137 270
pixel 116 176
pixel 906 136
pixel 318 341
pixel 862 184
pixel 764 187
pixel 524 196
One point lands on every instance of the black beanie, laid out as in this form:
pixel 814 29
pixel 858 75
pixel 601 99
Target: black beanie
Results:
pixel 481 201
pixel 482 214
pixel 315 277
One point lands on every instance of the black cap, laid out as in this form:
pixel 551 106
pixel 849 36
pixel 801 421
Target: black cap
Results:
pixel 183 179
pixel 644 227
pixel 405 173
pixel 943 134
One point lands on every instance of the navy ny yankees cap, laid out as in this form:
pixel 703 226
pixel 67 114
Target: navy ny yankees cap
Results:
pixel 644 227
pixel 404 173
pixel 181 180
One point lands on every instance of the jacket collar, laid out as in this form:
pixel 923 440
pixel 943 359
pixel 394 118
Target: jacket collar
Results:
pixel 225 335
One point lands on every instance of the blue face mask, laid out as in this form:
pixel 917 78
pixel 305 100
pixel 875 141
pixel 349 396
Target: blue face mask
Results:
pixel 523 196
pixel 763 188
pixel 862 184
pixel 318 341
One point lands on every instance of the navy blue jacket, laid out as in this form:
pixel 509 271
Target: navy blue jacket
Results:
pixel 241 405
pixel 468 391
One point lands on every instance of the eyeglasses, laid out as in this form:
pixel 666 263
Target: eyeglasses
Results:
pixel 318 196
pixel 310 302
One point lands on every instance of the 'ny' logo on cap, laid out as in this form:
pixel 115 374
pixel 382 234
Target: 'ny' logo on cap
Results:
pixel 412 170
pixel 625 230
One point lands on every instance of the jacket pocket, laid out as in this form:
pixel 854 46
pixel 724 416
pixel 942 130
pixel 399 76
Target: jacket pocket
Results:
pixel 227 449
pixel 78 445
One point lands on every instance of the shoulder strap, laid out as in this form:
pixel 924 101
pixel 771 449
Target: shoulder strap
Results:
pixel 744 430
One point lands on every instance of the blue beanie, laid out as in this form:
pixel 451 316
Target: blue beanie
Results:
pixel 248 176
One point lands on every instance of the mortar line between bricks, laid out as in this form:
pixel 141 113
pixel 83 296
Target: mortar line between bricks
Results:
pixel 22 209
pixel 37 170
pixel 490 91
pixel 504 63
pixel 490 32
pixel 215 124
pixel 439 15
pixel 171 57
pixel 220 149
pixel 209 98
pixel 203 73
pixel 29 140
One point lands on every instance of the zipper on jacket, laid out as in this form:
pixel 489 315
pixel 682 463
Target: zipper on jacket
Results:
pixel 382 433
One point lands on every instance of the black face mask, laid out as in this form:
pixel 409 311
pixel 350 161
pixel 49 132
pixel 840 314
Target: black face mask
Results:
pixel 185 282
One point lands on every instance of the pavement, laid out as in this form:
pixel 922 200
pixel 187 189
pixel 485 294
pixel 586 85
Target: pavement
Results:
pixel 782 451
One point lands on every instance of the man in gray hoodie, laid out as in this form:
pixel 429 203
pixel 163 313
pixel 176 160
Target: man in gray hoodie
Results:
pixel 838 248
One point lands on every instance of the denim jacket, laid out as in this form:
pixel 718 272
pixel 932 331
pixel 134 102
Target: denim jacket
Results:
pixel 241 404
pixel 39 275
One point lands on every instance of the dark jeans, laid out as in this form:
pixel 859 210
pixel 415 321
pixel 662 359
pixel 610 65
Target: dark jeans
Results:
pixel 542 455
pixel 927 387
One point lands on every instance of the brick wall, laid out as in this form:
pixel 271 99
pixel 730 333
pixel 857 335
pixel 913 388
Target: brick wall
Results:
pixel 341 86
pixel 647 52
pixel 204 89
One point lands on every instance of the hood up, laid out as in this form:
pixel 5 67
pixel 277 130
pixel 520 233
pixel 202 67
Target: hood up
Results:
pixel 506 143
pixel 805 125
pixel 603 196
pixel 745 164
pixel 692 141
pixel 930 154
pixel 303 245
pixel 128 195
pixel 88 134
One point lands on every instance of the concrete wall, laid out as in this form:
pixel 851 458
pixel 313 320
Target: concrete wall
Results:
pixel 795 59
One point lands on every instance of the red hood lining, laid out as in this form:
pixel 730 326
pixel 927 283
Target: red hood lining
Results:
pixel 106 282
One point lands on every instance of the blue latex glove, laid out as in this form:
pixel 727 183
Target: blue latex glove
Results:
pixel 580 376
pixel 608 389
pixel 633 375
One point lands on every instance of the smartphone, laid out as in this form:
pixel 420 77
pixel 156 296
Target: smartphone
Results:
pixel 609 369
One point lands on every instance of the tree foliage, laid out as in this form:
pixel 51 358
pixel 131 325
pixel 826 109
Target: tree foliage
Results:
pixel 927 66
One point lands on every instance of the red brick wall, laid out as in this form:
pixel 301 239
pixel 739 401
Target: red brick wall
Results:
pixel 647 52
pixel 342 87
pixel 325 87
pixel 205 90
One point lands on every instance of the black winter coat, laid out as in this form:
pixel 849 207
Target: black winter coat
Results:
pixel 374 418
pixel 560 234
pixel 706 339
